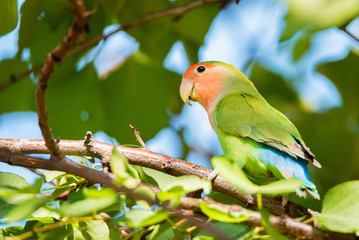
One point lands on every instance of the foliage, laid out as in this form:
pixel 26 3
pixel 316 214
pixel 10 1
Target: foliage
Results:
pixel 139 90
pixel 341 213
pixel 8 14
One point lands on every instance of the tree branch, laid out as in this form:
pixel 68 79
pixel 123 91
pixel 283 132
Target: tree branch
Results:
pixel 149 159
pixel 177 11
pixel 283 224
pixel 94 176
pixel 138 137
pixel 74 32
pixel 350 34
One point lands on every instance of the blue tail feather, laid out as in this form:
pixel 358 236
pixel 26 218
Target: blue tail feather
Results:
pixel 288 165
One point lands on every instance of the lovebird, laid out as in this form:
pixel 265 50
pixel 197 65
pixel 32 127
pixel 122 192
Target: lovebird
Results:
pixel 253 134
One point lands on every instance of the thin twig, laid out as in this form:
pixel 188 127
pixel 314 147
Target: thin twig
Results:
pixel 350 34
pixel 55 225
pixel 138 137
pixel 53 182
pixel 202 222
pixel 74 32
pixel 15 78
pixel 177 11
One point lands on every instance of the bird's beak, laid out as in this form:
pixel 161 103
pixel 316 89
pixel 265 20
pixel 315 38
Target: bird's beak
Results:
pixel 186 90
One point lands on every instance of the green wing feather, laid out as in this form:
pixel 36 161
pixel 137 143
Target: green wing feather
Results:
pixel 242 115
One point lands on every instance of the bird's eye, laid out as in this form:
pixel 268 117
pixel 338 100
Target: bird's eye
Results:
pixel 201 69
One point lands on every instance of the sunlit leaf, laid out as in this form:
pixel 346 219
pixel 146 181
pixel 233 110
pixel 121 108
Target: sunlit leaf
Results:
pixel 50 175
pixel 234 175
pixel 318 15
pixel 142 218
pixel 95 229
pixel 13 181
pixel 24 209
pixel 341 208
pixel 274 234
pixel 184 184
pixel 88 201
pixel 231 230
pixel 12 231
pixel 162 231
pixel 20 96
pixel 219 214
pixel 125 174
pixel 162 179
pixel 8 16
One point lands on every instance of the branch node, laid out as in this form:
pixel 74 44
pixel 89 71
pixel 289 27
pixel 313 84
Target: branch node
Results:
pixel 138 137
pixel 88 138
pixel 56 58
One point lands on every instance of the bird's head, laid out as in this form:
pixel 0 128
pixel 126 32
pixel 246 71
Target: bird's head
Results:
pixel 204 81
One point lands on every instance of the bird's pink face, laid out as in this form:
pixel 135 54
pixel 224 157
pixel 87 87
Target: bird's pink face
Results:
pixel 200 83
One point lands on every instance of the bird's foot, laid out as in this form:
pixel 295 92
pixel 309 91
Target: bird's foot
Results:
pixel 285 199
pixel 213 175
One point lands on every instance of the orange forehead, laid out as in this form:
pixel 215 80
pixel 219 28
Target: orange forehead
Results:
pixel 192 68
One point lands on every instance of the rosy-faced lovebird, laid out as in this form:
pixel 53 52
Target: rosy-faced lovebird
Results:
pixel 253 134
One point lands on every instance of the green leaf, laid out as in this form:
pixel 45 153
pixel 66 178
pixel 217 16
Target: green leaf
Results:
pixel 318 15
pixel 194 25
pixel 269 228
pixel 234 175
pixel 51 175
pixel 95 229
pixel 340 212
pixel 88 201
pixel 12 231
pixel 63 233
pixel 5 207
pixel 202 237
pixel 160 178
pixel 233 231
pixel 37 32
pixel 45 212
pixel 182 185
pixel 125 174
pixel 115 233
pixel 148 85
pixel 26 208
pixel 145 178
pixel 188 184
pixel 151 89
pixel 281 187
pixel 162 231
pixel 13 181
pixel 15 194
pixel 161 41
pixel 8 16
pixel 224 198
pixel 219 214
pixel 35 188
pixel 19 96
pixel 142 218
pixel 146 192
pixel 30 11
